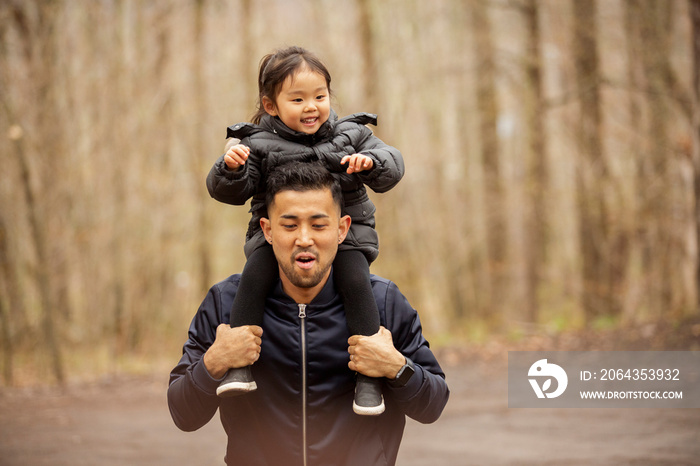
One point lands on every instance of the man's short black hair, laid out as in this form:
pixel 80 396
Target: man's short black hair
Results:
pixel 302 176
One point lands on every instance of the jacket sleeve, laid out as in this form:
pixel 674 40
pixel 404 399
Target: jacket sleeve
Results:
pixel 192 395
pixel 388 161
pixel 234 187
pixel 425 395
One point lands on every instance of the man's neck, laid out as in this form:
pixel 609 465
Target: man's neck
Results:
pixel 301 295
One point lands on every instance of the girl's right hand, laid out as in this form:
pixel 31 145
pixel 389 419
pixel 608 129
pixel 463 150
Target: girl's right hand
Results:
pixel 236 156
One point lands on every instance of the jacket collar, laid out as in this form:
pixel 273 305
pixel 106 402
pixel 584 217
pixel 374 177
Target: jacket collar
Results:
pixel 275 125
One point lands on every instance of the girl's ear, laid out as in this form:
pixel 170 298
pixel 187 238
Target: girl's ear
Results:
pixel 269 106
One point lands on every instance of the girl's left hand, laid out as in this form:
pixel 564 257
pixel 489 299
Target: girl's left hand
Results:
pixel 357 163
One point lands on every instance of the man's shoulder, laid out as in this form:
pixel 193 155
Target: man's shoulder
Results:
pixel 394 308
pixel 227 285
pixel 376 279
pixel 218 301
pixel 383 286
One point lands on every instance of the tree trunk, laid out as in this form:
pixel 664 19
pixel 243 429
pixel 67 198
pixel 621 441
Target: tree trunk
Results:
pixel 695 18
pixel 655 180
pixel 6 283
pixel 38 54
pixel 487 106
pixel 367 44
pixel 537 177
pixel 203 237
pixel 592 176
pixel 38 237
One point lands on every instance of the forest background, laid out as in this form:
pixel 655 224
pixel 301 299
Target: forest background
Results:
pixel 551 149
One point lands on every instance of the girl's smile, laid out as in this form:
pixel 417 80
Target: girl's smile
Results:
pixel 303 102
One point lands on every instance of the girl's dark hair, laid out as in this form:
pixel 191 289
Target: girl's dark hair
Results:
pixel 302 176
pixel 276 67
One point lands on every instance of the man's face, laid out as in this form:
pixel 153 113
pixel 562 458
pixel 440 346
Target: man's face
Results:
pixel 305 229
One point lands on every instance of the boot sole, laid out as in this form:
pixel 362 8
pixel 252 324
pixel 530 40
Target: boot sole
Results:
pixel 235 389
pixel 368 410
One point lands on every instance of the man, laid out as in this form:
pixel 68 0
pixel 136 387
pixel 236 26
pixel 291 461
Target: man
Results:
pixel 303 356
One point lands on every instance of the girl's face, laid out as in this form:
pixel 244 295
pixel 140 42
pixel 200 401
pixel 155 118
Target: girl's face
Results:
pixel 303 103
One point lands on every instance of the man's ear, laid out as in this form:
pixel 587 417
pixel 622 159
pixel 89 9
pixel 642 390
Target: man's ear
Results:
pixel 266 228
pixel 343 228
pixel 269 106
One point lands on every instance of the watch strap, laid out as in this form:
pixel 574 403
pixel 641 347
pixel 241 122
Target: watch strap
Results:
pixel 404 374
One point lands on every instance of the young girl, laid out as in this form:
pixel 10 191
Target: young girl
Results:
pixel 294 121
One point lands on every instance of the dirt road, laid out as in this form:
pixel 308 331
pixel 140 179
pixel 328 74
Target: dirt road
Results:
pixel 125 421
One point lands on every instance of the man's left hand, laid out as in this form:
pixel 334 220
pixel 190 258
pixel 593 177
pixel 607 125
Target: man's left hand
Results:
pixel 375 356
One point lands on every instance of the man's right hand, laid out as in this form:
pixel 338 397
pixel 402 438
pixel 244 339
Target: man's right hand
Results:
pixel 233 347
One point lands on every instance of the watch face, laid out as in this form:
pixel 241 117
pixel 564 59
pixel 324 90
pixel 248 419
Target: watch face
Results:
pixel 404 374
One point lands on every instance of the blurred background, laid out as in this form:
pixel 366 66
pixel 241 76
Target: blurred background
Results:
pixel 551 150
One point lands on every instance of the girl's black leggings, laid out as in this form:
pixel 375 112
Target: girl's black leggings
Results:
pixel 351 277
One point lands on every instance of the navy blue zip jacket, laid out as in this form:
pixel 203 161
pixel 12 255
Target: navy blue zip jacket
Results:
pixel 301 413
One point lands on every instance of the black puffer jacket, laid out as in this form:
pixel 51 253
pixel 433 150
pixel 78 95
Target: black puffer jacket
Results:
pixel 273 143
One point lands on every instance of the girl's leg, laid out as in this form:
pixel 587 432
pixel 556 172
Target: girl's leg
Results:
pixel 259 276
pixel 351 277
pixel 257 279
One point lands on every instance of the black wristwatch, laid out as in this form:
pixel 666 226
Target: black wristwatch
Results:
pixel 404 374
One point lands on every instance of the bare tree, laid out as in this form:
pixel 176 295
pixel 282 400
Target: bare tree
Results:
pixel 367 46
pixel 657 175
pixel 592 177
pixel 537 178
pixel 695 18
pixel 490 152
pixel 6 284
pixel 37 34
pixel 200 146
pixel 108 235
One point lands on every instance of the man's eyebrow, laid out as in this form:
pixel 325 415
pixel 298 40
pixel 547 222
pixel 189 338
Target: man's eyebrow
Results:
pixel 295 217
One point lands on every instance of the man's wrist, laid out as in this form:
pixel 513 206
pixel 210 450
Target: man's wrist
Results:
pixel 404 374
pixel 211 364
pixel 397 363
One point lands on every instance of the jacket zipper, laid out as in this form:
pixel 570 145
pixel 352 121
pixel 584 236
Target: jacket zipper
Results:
pixel 302 317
